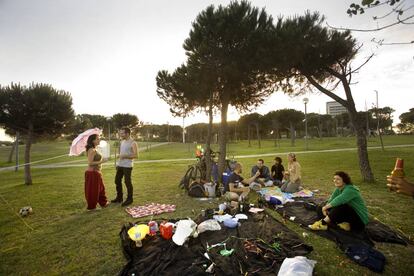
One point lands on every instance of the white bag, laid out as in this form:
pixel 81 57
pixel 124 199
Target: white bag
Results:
pixel 211 189
pixel 299 265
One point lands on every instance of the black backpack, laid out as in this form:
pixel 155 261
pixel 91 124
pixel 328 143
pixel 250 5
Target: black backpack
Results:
pixel 196 189
pixel 192 174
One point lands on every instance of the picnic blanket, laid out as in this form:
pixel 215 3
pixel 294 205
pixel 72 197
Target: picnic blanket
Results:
pixel 149 210
pixel 304 211
pixel 260 245
pixel 275 191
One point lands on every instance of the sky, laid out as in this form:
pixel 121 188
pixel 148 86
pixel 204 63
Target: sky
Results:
pixel 107 53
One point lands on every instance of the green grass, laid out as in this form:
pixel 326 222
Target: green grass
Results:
pixel 68 240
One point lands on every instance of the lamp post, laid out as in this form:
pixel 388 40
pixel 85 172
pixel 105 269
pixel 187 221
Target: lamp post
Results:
pixel 183 131
pixel 305 101
pixel 378 121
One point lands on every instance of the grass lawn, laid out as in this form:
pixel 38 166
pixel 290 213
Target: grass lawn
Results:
pixel 66 239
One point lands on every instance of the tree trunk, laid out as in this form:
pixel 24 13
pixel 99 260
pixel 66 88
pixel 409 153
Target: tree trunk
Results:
pixel 292 135
pixel 10 159
pixel 208 140
pixel 223 137
pixel 258 134
pixel 27 172
pixel 364 165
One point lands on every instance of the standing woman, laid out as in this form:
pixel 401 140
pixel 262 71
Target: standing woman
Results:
pixel 94 186
pixel 345 207
pixel 293 175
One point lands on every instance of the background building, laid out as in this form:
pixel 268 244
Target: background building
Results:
pixel 334 108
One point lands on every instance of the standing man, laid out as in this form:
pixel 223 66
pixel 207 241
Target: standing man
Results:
pixel 128 151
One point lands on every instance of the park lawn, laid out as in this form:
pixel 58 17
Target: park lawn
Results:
pixel 69 240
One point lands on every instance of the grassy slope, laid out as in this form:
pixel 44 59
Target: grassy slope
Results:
pixel 67 239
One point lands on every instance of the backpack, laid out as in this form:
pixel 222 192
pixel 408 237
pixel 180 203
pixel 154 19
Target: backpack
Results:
pixel 366 256
pixel 196 189
pixel 192 174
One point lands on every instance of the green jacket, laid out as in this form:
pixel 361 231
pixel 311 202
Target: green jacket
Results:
pixel 350 195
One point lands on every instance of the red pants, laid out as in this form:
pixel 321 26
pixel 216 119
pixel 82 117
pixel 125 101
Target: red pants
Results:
pixel 94 189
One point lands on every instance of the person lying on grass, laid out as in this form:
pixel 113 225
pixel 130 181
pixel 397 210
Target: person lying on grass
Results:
pixel 237 190
pixel 345 208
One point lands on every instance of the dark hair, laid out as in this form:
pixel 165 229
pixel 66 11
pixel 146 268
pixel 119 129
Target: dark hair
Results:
pixel 345 177
pixel 89 143
pixel 261 160
pixel 127 130
pixel 278 159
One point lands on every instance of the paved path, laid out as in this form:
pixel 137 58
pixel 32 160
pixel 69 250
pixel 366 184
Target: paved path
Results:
pixel 72 163
pixel 60 165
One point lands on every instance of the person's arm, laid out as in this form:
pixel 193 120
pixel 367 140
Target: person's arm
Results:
pixel 347 195
pixel 251 179
pixel 254 170
pixel 134 154
pixel 235 189
pixel 91 156
pixel 400 185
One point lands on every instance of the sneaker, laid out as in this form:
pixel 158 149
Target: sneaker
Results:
pixel 317 225
pixel 344 226
pixel 116 200
pixel 126 202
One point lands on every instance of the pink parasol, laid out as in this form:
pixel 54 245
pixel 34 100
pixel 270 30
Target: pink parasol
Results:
pixel 79 143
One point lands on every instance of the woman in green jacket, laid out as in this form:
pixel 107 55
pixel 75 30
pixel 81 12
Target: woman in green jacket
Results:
pixel 345 207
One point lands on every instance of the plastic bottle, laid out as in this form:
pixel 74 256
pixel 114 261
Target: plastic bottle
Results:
pixel 153 227
pixel 398 170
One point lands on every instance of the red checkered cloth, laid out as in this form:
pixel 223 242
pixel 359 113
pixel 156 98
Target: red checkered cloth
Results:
pixel 149 210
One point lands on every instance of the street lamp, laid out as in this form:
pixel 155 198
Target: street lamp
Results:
pixel 305 101
pixel 378 121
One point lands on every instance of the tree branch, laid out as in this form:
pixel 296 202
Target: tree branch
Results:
pixel 326 91
pixel 400 21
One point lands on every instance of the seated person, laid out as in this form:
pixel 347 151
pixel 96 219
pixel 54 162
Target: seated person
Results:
pixel 277 171
pixel 237 190
pixel 345 207
pixel 293 175
pixel 264 176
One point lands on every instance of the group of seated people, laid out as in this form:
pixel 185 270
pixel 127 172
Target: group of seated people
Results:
pixel 345 207
pixel 288 180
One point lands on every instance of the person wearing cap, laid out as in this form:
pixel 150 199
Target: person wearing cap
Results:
pixel 237 190
pixel 345 208
pixel 293 175
pixel 264 176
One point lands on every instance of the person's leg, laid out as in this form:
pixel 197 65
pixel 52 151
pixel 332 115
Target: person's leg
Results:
pixel 118 183
pixel 244 194
pixel 345 213
pixel 91 190
pixel 102 199
pixel 231 196
pixel 255 186
pixel 128 184
pixel 292 187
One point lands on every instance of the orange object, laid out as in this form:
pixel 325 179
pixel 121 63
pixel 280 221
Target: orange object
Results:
pixel 166 230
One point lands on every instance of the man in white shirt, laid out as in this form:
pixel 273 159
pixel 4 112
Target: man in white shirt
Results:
pixel 128 151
